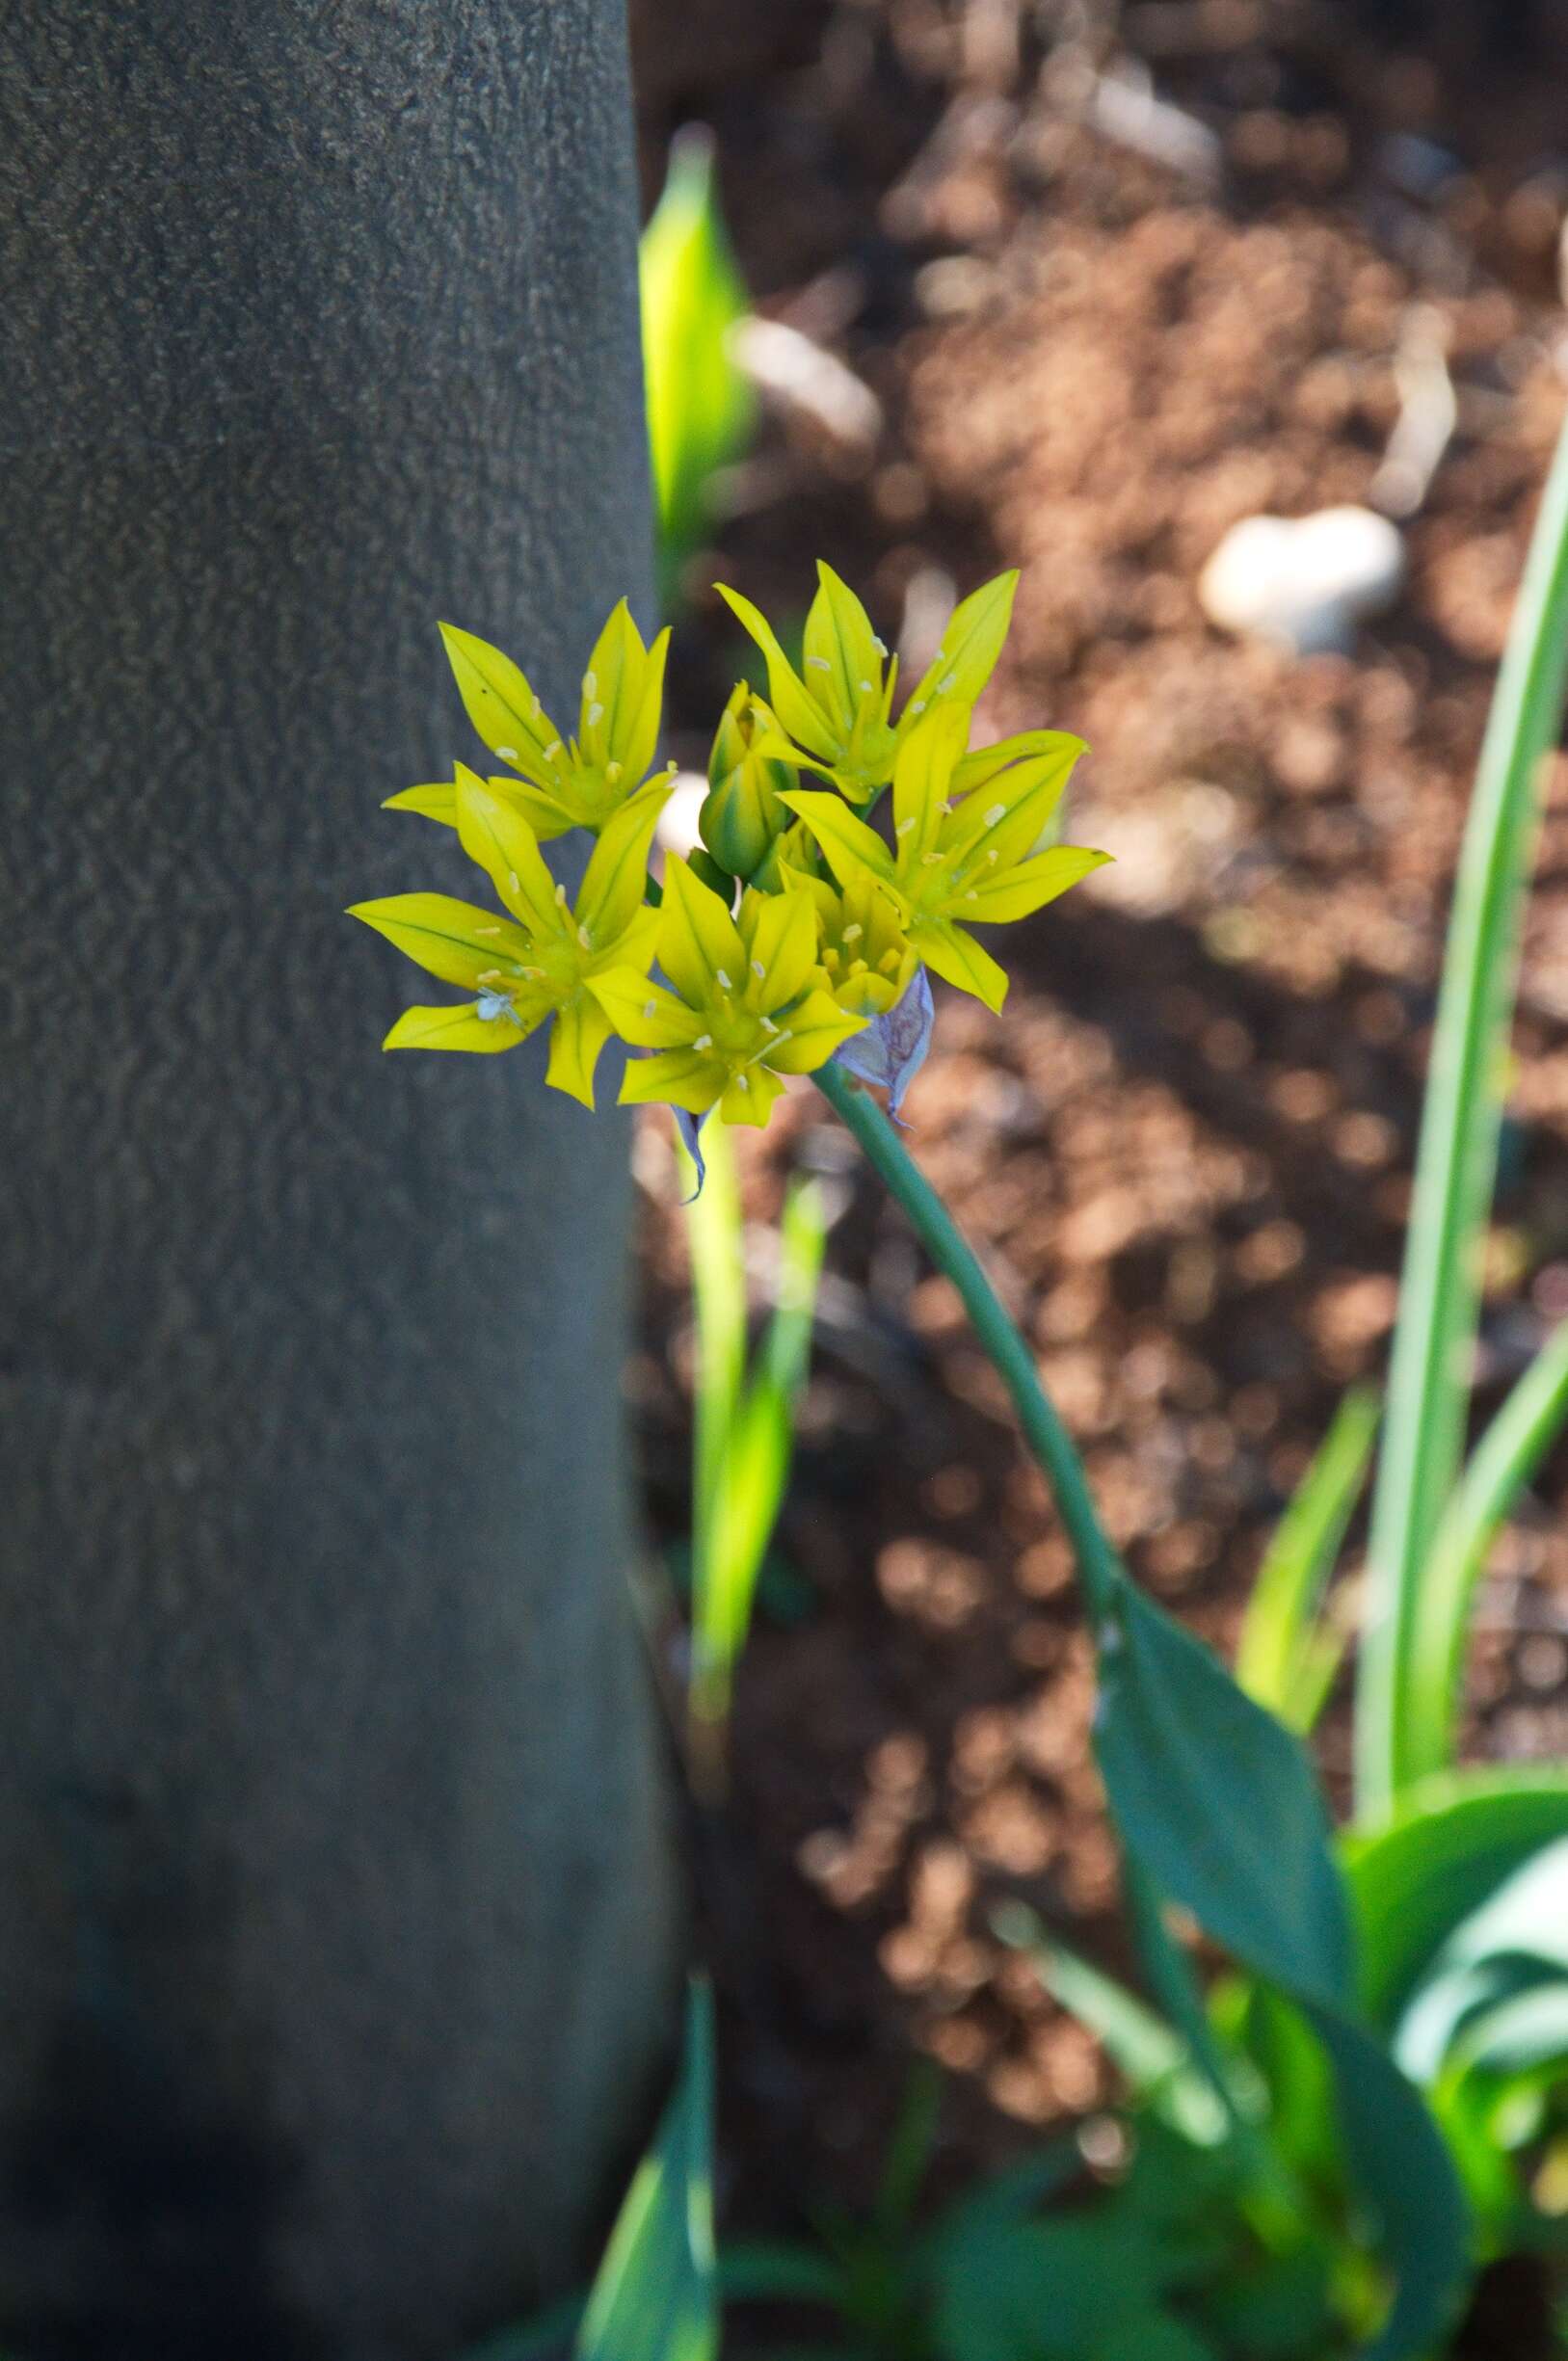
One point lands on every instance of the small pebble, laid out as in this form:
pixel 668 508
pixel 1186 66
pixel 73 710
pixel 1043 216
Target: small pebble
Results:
pixel 1304 582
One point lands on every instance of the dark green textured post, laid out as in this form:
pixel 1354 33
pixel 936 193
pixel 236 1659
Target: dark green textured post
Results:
pixel 337 1940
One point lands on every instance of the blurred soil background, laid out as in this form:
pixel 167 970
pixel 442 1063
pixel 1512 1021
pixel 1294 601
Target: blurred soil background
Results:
pixel 1093 284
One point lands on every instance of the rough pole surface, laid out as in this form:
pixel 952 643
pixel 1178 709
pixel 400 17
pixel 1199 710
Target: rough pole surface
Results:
pixel 337 1940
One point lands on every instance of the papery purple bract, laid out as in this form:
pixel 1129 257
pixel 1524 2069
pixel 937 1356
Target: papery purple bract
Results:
pixel 690 1128
pixel 892 1049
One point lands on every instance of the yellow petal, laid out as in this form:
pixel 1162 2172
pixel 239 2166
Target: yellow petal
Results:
pixel 839 644
pixel 673 1077
pixel 751 1096
pixel 956 957
pixel 1009 816
pixel 970 646
pixel 1018 892
pixel 853 849
pixel 454 1028
pixel 436 801
pixel 617 879
pixel 496 835
pixel 988 762
pixel 578 1034
pixel 923 781
pixel 456 940
pixel 636 734
pixel 543 811
pixel 615 670
pixel 798 711
pixel 780 932
pixel 635 946
pixel 645 1014
pixel 500 702
pixel 812 1032
pixel 699 946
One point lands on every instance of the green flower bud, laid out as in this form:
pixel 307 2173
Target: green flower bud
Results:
pixel 742 816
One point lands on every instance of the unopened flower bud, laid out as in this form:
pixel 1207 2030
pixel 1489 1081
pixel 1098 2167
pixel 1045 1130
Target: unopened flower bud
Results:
pixel 742 815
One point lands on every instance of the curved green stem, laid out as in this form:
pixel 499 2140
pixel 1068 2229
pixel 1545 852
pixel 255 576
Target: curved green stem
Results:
pixel 1100 1569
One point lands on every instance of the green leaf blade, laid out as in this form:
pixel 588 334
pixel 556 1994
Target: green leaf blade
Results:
pixel 655 2296
pixel 1285 1659
pixel 1456 1162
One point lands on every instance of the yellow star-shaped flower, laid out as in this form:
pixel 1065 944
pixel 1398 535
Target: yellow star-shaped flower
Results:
pixel 744 1009
pixel 576 783
pixel 836 713
pixel 539 964
pixel 958 859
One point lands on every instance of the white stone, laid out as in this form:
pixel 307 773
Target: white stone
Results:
pixel 1304 581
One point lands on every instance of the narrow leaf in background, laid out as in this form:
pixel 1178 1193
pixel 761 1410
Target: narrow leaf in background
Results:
pixel 700 403
pixel 745 1429
pixel 656 2298
pixel 1286 1657
pixel 1456 1164
pixel 1501 1466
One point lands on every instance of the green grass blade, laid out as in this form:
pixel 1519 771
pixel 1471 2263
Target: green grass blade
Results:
pixel 1501 1466
pixel 1286 1658
pixel 908 2150
pixel 745 1439
pixel 700 403
pixel 801 1237
pixel 1456 1164
pixel 718 1277
pixel 1145 2050
pixel 655 2297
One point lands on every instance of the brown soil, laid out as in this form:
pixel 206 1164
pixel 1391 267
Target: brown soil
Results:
pixel 1185 1149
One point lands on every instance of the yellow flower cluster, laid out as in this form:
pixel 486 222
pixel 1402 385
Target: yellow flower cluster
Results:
pixel 798 931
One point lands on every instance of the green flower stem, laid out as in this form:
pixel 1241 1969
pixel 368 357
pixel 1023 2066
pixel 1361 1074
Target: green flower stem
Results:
pixel 1100 1569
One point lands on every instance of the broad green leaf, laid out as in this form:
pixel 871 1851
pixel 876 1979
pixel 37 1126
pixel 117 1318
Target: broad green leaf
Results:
pixel 655 2296
pixel 1454 1840
pixel 1510 1949
pixel 1159 2336
pixel 1524 2034
pixel 1219 1804
pixel 1403 2171
pixel 1456 1162
pixel 700 404
pixel 1287 1658
pixel 1501 1465
pixel 1043 2291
